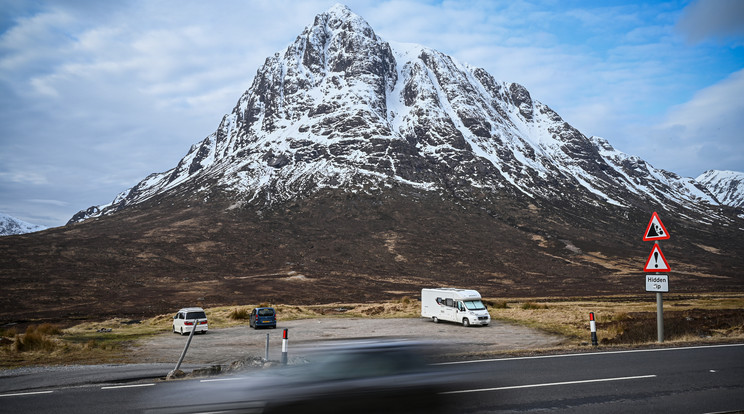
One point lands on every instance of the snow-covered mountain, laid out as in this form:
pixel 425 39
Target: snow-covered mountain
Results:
pixel 355 169
pixel 727 186
pixel 342 108
pixel 10 225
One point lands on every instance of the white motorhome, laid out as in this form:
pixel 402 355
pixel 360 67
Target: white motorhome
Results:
pixel 454 305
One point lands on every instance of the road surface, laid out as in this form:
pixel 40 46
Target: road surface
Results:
pixel 702 379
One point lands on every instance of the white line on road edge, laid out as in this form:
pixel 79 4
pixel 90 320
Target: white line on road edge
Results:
pixel 114 387
pixel 220 379
pixel 26 393
pixel 598 353
pixel 550 384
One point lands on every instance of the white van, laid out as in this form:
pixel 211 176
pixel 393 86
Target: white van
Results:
pixel 185 319
pixel 454 305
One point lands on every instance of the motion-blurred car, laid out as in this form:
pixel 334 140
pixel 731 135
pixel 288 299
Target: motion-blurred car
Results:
pixel 262 317
pixel 360 377
pixel 186 318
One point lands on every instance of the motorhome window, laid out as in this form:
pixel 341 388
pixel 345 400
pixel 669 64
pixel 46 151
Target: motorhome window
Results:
pixel 474 305
pixel 450 302
pixel 439 301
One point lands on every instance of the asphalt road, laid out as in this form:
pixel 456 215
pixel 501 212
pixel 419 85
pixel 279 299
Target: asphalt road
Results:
pixel 673 380
pixel 681 380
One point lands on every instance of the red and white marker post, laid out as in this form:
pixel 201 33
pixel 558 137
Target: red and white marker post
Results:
pixel 285 339
pixel 593 328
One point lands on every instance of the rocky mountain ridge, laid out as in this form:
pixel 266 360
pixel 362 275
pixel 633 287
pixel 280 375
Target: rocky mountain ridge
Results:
pixel 342 108
pixel 726 186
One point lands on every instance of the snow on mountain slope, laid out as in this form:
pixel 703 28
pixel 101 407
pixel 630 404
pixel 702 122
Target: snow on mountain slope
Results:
pixel 10 225
pixel 727 186
pixel 659 185
pixel 342 108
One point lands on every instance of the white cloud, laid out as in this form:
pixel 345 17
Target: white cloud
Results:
pixel 58 203
pixel 24 177
pixel 705 130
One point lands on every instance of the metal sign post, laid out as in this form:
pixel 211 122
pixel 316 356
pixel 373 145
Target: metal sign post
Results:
pixel 267 348
pixel 185 348
pixel 656 263
pixel 659 317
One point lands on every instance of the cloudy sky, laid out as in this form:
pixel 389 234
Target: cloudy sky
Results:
pixel 96 95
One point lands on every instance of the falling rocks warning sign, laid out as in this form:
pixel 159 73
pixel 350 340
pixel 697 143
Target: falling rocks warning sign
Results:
pixel 655 229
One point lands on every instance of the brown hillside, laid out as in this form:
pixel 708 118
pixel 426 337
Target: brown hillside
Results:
pixel 344 247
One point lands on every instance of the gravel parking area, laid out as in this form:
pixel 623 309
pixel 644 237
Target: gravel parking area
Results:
pixel 225 345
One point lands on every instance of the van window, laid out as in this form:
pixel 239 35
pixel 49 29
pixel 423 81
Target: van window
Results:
pixel 196 315
pixel 266 312
pixel 450 302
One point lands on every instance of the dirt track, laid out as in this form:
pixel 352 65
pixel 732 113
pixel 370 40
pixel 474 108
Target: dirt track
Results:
pixel 225 345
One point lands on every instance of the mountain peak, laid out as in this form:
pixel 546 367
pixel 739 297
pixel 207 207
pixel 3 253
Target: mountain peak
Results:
pixel 341 108
pixel 342 12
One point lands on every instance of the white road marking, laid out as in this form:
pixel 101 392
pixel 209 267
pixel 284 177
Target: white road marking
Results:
pixel 220 379
pixel 18 394
pixel 598 353
pixel 550 384
pixel 114 387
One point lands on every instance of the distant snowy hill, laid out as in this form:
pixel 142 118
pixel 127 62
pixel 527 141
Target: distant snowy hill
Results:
pixel 727 186
pixel 11 225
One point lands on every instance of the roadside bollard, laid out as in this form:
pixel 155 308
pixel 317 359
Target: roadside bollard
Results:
pixel 267 349
pixel 593 328
pixel 284 347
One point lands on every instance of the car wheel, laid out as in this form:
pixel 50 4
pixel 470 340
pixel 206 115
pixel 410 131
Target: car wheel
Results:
pixel 435 319
pixel 465 322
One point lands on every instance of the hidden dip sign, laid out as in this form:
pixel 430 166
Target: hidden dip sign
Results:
pixel 657 283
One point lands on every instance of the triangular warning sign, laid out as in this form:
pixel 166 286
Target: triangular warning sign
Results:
pixel 655 229
pixel 656 261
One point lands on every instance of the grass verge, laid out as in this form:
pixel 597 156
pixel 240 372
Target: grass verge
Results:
pixel 621 320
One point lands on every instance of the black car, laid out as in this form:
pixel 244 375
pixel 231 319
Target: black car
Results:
pixel 369 376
